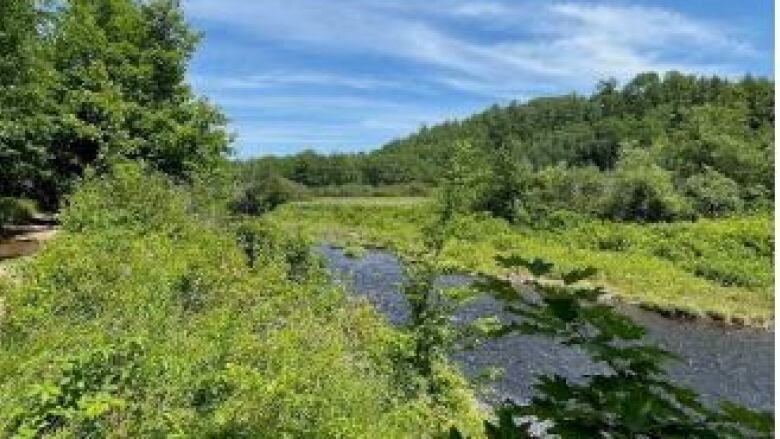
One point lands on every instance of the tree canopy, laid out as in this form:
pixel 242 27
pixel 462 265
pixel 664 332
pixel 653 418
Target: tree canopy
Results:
pixel 84 82
pixel 707 146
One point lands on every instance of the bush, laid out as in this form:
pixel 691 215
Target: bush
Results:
pixel 127 197
pixel 141 321
pixel 578 189
pixel 264 243
pixel 265 195
pixel 16 210
pixel 643 191
pixel 713 193
pixel 364 190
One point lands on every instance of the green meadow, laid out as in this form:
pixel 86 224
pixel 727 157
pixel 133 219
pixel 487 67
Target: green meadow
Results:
pixel 720 268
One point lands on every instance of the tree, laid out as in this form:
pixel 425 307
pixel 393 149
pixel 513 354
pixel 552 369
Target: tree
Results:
pixel 265 194
pixel 117 69
pixel 643 191
pixel 462 182
pixel 24 98
pixel 688 123
pixel 508 183
pixel 713 193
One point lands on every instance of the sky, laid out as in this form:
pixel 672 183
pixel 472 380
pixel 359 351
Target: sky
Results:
pixel 351 75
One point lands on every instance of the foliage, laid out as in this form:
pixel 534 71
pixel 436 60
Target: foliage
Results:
pixel 16 211
pixel 135 195
pixel 365 190
pixel 265 244
pixel 659 148
pixel 643 191
pixel 713 193
pixel 266 194
pixel 90 392
pixel 636 399
pixel 430 331
pixel 99 80
pixel 719 267
pixel 140 319
pixel 462 188
pixel 508 183
pixel 24 99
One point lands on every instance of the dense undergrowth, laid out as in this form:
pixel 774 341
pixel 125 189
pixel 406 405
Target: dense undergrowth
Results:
pixel 634 399
pixel 147 317
pixel 721 267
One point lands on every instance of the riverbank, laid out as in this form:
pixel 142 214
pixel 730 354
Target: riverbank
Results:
pixel 24 240
pixel 719 269
pixel 20 241
pixel 718 363
pixel 199 337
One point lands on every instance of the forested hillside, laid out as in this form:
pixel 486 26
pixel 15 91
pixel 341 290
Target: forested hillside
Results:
pixel 660 147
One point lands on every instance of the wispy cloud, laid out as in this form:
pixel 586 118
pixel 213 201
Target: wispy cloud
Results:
pixel 276 79
pixel 485 49
pixel 557 39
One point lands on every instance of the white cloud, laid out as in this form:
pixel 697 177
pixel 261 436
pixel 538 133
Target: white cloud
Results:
pixel 491 49
pixel 302 103
pixel 570 43
pixel 647 27
pixel 290 78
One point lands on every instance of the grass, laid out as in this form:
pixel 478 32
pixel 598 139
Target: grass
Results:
pixel 363 201
pixel 721 268
pixel 142 319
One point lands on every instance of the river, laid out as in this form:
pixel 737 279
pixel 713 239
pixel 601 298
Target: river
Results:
pixel 736 364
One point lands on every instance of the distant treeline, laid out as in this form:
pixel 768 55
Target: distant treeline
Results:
pixel 659 147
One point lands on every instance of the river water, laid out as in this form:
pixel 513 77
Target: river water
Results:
pixel 719 363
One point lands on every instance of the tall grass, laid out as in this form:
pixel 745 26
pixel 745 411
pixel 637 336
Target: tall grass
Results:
pixel 720 267
pixel 139 320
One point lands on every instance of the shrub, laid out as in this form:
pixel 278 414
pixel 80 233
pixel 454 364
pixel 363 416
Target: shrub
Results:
pixel 128 197
pixel 575 189
pixel 16 210
pixel 121 327
pixel 643 191
pixel 89 392
pixel 363 190
pixel 264 243
pixel 713 193
pixel 266 194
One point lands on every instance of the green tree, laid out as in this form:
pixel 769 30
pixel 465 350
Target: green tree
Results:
pixel 713 193
pixel 117 69
pixel 462 182
pixel 508 183
pixel 24 98
pixel 643 191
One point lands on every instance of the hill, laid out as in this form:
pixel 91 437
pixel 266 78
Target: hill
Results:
pixel 702 145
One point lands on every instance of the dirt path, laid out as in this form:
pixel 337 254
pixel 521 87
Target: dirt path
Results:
pixel 23 240
pixel 17 241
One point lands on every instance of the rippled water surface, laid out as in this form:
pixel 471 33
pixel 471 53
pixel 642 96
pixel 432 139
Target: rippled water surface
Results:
pixel 719 363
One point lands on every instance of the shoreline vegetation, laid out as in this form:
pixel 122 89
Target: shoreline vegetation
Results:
pixel 147 315
pixel 180 296
pixel 176 297
pixel 664 184
pixel 635 263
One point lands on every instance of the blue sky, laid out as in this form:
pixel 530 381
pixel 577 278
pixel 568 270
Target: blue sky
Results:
pixel 350 75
